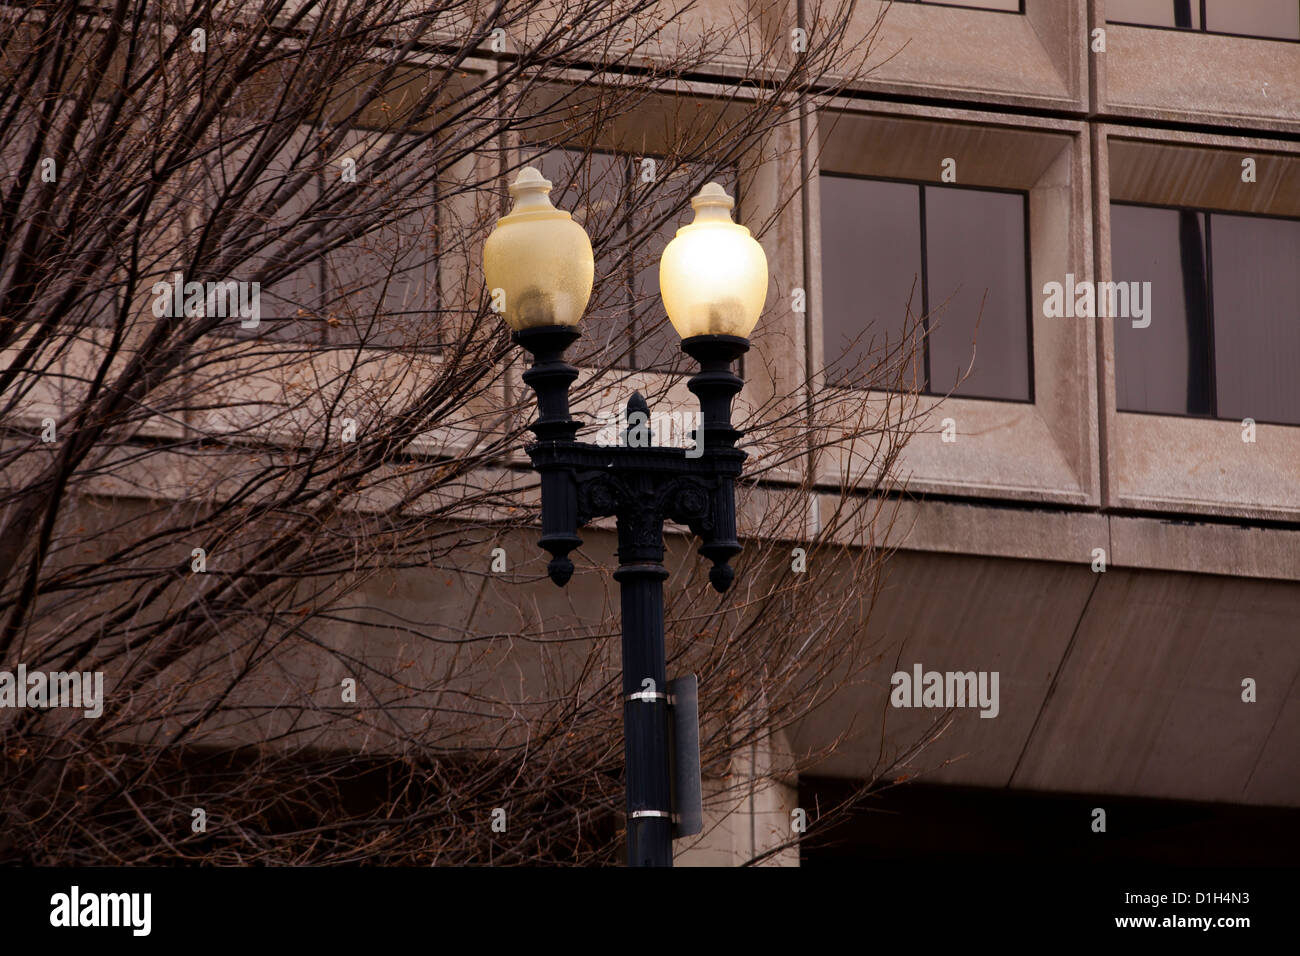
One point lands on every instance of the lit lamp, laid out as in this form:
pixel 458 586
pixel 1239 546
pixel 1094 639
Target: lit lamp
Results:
pixel 539 259
pixel 713 279
pixel 713 275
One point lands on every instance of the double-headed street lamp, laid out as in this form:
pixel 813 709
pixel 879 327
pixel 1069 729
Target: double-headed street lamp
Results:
pixel 713 280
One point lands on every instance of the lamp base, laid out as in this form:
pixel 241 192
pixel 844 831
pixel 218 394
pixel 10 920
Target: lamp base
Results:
pixel 550 377
pixel 715 348
pixel 716 384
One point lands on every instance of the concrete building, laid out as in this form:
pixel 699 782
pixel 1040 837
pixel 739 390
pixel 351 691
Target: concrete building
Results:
pixel 1104 514
pixel 1106 510
pixel 1086 437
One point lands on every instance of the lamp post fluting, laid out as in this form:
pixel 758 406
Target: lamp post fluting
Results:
pixel 713 279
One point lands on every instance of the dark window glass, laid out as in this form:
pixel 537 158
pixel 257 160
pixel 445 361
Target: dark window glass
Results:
pixel 298 301
pixel 871 278
pixel 291 306
pixel 1256 18
pixel 1268 19
pixel 383 286
pixel 98 298
pixel 1006 6
pixel 380 289
pixel 1165 366
pixel 890 252
pixel 975 273
pixel 1256 279
pixel 1224 338
pixel 1156 13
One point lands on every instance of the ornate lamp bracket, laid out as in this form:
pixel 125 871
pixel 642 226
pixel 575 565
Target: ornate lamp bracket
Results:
pixel 643 485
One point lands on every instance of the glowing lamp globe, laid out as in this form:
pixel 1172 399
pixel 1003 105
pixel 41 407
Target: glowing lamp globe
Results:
pixel 713 275
pixel 537 261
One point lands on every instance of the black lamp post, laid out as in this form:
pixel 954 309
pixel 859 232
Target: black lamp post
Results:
pixel 641 484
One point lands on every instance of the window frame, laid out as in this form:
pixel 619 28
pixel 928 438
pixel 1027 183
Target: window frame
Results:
pixel 1203 28
pixel 325 268
pixel 1156 463
pixel 1019 11
pixel 1044 451
pixel 925 290
pixel 1208 212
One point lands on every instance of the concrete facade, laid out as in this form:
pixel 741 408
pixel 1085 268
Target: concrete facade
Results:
pixel 1126 681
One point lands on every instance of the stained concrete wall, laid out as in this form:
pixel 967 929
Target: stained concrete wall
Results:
pixel 1124 682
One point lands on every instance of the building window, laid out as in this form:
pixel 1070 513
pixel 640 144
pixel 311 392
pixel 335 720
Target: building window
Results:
pixel 1267 19
pixel 898 255
pixel 1004 6
pixel 1224 307
pixel 88 293
pixel 631 211
pixel 380 289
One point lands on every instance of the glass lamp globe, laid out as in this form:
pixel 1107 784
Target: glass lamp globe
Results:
pixel 713 275
pixel 538 259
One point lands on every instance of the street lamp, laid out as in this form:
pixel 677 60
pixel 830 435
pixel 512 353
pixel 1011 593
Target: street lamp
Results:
pixel 713 280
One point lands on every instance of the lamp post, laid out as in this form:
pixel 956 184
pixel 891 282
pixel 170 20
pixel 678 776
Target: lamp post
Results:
pixel 713 281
